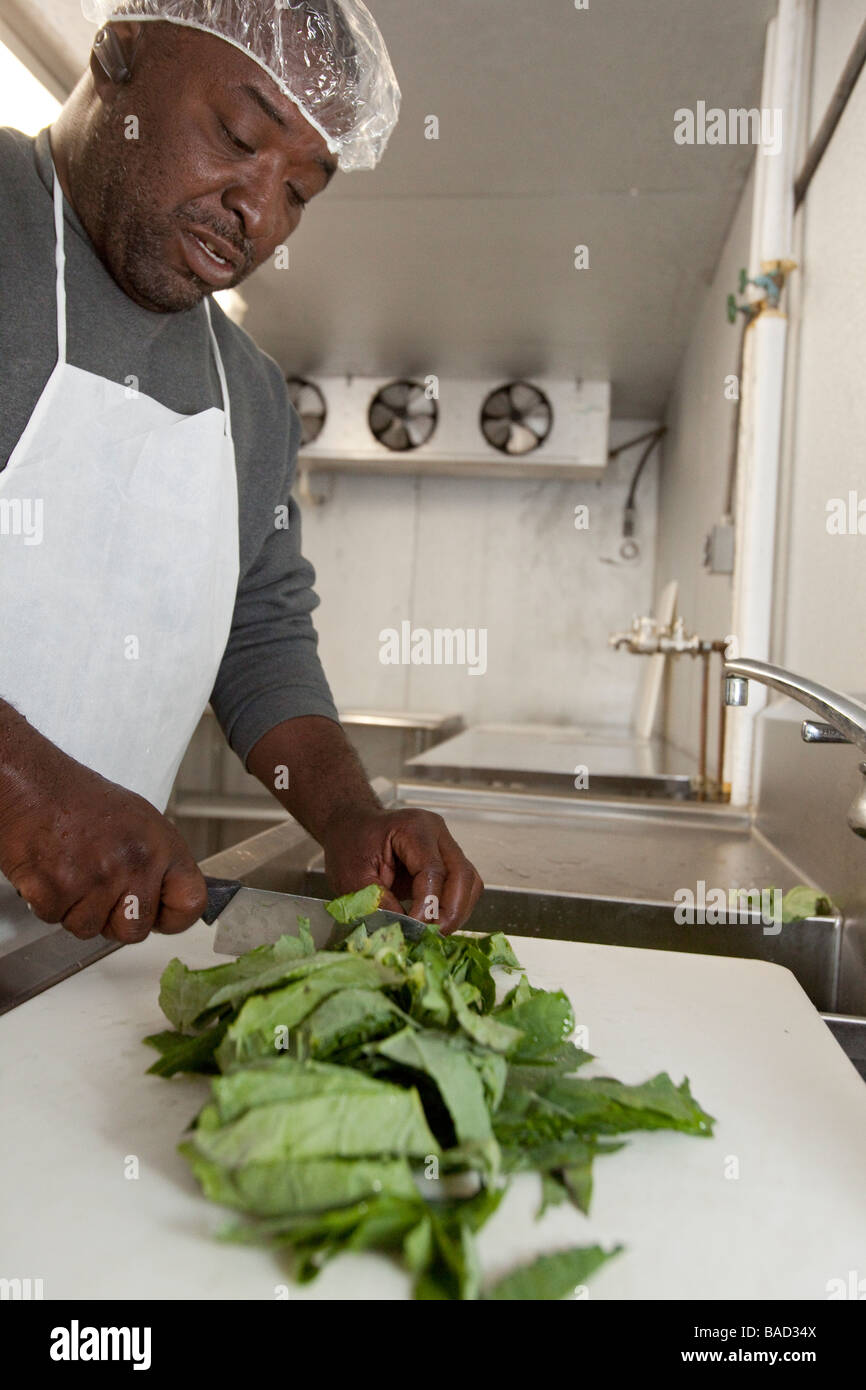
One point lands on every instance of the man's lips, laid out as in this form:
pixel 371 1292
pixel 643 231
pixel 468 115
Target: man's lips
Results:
pixel 210 257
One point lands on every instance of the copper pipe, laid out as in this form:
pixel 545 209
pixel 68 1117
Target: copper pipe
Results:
pixel 705 704
pixel 723 724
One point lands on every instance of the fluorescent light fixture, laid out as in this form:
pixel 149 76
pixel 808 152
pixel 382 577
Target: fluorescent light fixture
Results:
pixel 24 102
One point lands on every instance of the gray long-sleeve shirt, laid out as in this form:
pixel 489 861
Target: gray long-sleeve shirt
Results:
pixel 270 670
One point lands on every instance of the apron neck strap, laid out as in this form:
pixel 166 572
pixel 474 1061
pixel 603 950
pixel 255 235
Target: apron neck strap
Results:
pixel 221 371
pixel 60 262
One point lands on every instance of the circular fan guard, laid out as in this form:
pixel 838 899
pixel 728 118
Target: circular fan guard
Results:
pixel 402 416
pixel 310 405
pixel 516 418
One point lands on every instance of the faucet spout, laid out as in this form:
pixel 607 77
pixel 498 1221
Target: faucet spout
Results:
pixel 844 715
pixel 847 716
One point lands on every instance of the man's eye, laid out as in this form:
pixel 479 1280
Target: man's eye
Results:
pixel 235 140
pixel 295 198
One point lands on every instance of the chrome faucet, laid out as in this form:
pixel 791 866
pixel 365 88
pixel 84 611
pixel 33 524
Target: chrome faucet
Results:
pixel 845 719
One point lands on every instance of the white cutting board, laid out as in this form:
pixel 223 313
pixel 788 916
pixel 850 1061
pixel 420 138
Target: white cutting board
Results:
pixel 791 1111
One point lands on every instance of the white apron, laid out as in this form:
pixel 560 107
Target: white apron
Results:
pixel 118 575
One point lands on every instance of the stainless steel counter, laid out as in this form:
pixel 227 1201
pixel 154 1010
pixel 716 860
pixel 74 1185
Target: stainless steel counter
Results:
pixel 548 757
pixel 589 871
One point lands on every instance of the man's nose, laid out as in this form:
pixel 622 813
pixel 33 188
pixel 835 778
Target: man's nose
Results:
pixel 257 203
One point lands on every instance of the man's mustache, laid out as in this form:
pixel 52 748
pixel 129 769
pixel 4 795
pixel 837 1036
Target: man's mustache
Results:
pixel 192 216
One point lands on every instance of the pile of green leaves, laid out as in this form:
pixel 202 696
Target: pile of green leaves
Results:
pixel 355 1087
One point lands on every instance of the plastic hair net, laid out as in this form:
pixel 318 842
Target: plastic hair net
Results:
pixel 327 56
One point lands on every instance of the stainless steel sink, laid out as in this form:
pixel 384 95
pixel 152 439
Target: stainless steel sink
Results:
pixel 809 949
pixel 596 872
pixel 589 872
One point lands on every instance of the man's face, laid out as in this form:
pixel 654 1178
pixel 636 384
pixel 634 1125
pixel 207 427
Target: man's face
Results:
pixel 217 176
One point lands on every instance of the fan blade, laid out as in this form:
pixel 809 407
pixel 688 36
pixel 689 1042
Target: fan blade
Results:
pixel 311 425
pixel 497 405
pixel 524 398
pixel 396 396
pixel 395 436
pixel 498 433
pixel 538 421
pixel 419 430
pixel 521 441
pixel 380 418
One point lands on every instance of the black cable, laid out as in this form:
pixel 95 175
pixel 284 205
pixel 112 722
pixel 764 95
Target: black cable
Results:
pixel 654 437
pixel 630 443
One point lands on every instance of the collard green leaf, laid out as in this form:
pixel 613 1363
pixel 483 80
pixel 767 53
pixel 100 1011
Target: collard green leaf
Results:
pixel 283 1078
pixel 801 902
pixel 566 1105
pixel 553 1193
pixel 547 1154
pixel 561 1060
pixel 386 944
pixel 418 1246
pixel 545 1020
pixel 291 972
pixel 334 1223
pixel 427 974
pixel 452 1073
pixel 551 1276
pixel 355 1124
pixel 351 907
pixel 608 1106
pixel 186 995
pixel 184 1052
pixel 425 1073
pixel 497 948
pixel 264 1020
pixel 577 1180
pixel 482 1028
pixel 292 1188
pixel 491 1067
pixel 350 1017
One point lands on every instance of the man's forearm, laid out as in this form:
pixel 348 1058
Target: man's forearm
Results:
pixel 312 769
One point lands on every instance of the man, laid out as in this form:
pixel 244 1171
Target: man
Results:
pixel 146 455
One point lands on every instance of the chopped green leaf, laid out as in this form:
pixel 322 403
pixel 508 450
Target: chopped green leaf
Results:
pixel 801 902
pixel 372 1095
pixel 182 1052
pixel 451 1071
pixel 482 1028
pixel 545 1020
pixel 552 1276
pixel 353 906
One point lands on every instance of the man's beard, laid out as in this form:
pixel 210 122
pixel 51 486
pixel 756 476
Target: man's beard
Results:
pixel 136 240
pixel 143 240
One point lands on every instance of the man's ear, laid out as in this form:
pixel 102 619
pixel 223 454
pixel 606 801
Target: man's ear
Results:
pixel 113 56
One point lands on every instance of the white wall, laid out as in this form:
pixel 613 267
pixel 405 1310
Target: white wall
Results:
pixel 821 603
pixel 503 555
pixel 820 598
pixel 700 420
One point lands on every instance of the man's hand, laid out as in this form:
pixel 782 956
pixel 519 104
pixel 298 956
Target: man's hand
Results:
pixel 85 852
pixel 413 856
pixel 409 852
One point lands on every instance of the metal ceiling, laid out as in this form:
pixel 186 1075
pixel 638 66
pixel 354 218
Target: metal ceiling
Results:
pixel 555 129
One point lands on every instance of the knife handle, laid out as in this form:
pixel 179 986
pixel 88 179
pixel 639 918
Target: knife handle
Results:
pixel 220 892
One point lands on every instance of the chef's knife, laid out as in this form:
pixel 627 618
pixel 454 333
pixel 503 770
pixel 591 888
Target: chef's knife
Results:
pixel 249 917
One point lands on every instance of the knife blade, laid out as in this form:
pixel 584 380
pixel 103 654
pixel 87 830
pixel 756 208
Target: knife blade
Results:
pixel 248 917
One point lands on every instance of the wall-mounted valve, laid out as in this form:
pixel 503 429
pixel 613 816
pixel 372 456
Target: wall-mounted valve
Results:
pixel 770 282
